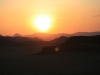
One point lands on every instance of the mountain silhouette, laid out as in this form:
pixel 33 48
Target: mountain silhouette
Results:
pixel 75 44
pixel 7 41
pixel 44 36
pixel 85 34
pixel 17 35
pixel 49 37
pixel 57 41
pixel 20 41
pixel 25 41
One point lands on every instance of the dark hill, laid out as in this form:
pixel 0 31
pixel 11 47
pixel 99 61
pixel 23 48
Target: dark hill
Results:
pixel 20 41
pixel 7 41
pixel 25 41
pixel 75 44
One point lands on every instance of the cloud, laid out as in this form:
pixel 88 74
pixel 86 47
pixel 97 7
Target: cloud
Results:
pixel 96 15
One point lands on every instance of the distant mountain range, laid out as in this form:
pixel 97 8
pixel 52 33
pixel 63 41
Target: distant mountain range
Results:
pixel 25 41
pixel 73 43
pixel 20 41
pixel 17 35
pixel 48 36
pixel 43 39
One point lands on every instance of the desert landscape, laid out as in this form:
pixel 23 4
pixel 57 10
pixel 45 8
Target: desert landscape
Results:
pixel 78 55
pixel 49 37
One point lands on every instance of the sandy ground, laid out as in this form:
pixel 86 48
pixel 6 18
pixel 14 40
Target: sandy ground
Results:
pixel 23 61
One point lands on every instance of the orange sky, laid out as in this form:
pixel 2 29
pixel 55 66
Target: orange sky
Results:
pixel 69 16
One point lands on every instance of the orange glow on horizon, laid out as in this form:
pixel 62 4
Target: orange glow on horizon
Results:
pixel 63 16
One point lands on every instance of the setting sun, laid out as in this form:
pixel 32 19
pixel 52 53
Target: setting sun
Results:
pixel 42 22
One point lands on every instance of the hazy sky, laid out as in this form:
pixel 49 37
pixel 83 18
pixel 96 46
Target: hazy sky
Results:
pixel 69 16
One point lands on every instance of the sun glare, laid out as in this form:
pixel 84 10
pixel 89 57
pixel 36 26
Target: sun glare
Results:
pixel 42 22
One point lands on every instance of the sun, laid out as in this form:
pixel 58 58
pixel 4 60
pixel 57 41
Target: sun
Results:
pixel 42 22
